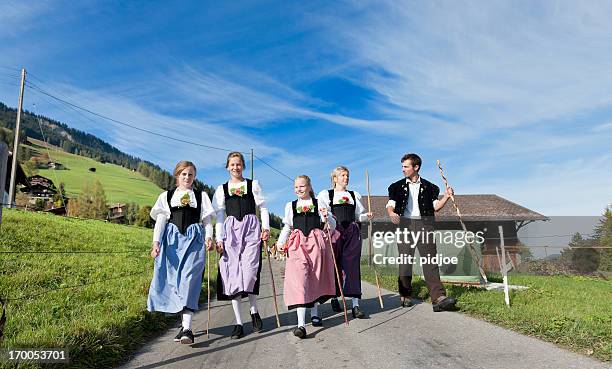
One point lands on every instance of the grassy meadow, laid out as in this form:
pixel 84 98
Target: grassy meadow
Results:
pixel 101 322
pixel 573 312
pixel 120 184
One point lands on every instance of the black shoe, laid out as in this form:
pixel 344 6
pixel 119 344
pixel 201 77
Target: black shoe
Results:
pixel 187 337
pixel 257 323
pixel 336 305
pixel 177 338
pixel 444 303
pixel 407 302
pixel 357 313
pixel 316 321
pixel 237 332
pixel 299 332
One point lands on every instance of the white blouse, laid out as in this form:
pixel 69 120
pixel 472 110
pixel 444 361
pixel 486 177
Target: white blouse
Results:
pixel 360 212
pixel 219 204
pixel 288 220
pixel 161 211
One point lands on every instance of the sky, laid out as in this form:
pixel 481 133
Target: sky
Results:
pixel 513 97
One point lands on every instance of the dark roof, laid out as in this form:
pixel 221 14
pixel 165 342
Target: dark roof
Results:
pixel 472 207
pixel 20 177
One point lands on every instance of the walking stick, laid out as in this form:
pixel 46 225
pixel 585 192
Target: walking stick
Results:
pixel 382 306
pixel 337 273
pixel 273 285
pixel 208 289
pixel 472 250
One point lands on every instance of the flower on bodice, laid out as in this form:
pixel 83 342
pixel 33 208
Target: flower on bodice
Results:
pixel 185 200
pixel 238 191
pixel 305 209
pixel 343 200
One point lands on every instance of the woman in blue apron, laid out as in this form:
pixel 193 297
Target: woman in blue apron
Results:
pixel 182 223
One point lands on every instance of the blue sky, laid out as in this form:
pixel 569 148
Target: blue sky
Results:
pixel 512 96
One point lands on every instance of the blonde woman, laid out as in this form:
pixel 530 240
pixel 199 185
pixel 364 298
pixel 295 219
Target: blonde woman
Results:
pixel 309 270
pixel 348 210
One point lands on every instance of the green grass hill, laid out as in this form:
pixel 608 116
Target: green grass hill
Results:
pixel 120 184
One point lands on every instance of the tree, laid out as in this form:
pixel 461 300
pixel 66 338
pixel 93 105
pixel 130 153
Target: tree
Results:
pixel 90 203
pixel 131 212
pixel 143 219
pixel 603 238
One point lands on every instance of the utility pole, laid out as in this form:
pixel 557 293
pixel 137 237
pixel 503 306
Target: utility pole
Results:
pixel 252 169
pixel 16 142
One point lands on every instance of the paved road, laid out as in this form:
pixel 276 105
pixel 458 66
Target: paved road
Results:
pixel 391 338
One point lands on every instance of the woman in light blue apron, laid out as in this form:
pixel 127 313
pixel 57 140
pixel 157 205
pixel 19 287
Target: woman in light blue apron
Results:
pixel 182 223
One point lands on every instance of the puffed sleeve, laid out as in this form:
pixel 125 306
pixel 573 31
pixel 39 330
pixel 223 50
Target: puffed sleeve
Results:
pixel 206 215
pixel 360 211
pixel 324 202
pixel 161 207
pixel 160 213
pixel 218 204
pixel 260 201
pixel 287 225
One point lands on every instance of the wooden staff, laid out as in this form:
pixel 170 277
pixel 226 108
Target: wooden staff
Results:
pixel 2 321
pixel 331 247
pixel 208 290
pixel 380 300
pixel 472 250
pixel 273 285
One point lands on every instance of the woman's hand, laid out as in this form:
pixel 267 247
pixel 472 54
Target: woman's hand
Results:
pixel 323 212
pixel 220 247
pixel 370 216
pixel 265 235
pixel 209 244
pixel 155 249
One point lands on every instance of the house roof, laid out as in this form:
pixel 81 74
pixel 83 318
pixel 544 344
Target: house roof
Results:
pixel 472 207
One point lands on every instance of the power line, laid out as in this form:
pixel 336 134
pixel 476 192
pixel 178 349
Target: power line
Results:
pixel 127 124
pixel 274 169
pixel 27 297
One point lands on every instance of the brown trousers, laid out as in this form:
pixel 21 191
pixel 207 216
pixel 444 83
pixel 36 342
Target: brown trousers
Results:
pixel 431 272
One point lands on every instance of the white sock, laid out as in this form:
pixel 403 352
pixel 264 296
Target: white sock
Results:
pixel 314 311
pixel 301 313
pixel 253 303
pixel 236 306
pixel 355 302
pixel 187 316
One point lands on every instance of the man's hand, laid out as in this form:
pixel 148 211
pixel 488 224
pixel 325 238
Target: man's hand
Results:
pixel 395 219
pixel 265 235
pixel 155 249
pixel 449 192
pixel 209 244
pixel 370 216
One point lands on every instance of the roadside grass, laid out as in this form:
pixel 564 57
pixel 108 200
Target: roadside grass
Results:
pixel 102 322
pixel 573 312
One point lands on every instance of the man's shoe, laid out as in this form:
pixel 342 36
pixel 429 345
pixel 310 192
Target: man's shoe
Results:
pixel 237 332
pixel 444 303
pixel 177 338
pixel 357 313
pixel 257 323
pixel 187 337
pixel 407 302
pixel 316 321
pixel 299 332
pixel 336 306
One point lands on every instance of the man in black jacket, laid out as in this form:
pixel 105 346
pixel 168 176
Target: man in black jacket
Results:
pixel 412 203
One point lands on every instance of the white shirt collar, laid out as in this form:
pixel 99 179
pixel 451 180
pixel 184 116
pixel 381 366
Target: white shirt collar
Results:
pixel 418 181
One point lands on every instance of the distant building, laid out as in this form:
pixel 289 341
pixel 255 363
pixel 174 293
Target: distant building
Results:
pixel 40 188
pixel 479 213
pixel 116 213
